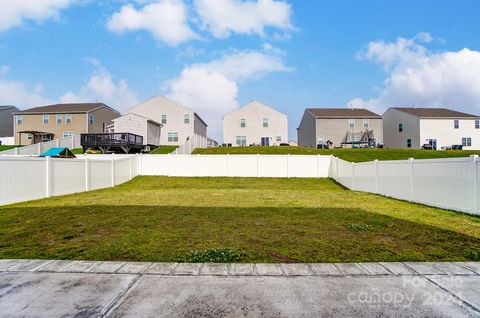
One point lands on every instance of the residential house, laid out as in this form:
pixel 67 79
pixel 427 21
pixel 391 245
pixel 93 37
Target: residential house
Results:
pixel 140 125
pixel 179 123
pixel 255 124
pixel 61 120
pixel 440 128
pixel 340 127
pixel 6 124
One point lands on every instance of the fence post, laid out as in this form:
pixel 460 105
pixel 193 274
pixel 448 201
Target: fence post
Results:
pixel 48 177
pixel 376 175
pixel 130 167
pixel 139 164
pixel 288 165
pixel 258 168
pixel 228 165
pixel 113 169
pixel 336 168
pixel 87 174
pixel 353 175
pixel 16 151
pixel 411 179
pixel 474 159
pixel 39 148
pixel 73 141
pixel 57 142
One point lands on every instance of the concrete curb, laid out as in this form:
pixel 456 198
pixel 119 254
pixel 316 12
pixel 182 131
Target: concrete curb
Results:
pixel 239 270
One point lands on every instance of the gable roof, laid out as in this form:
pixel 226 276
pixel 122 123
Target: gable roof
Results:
pixel 5 107
pixel 254 103
pixel 342 113
pixel 141 116
pixel 66 108
pixel 434 112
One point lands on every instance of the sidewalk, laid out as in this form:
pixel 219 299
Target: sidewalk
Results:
pixel 32 288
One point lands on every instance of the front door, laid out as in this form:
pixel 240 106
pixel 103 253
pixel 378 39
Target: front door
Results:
pixel 433 143
pixel 265 141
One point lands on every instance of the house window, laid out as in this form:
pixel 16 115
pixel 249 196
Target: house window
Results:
pixel 67 134
pixel 46 119
pixel 243 122
pixel 467 142
pixel 68 119
pixel 29 136
pixel 365 123
pixel 46 137
pixel 409 143
pixel 186 118
pixel 265 122
pixel 19 119
pixel 351 123
pixel 279 138
pixel 59 119
pixel 241 140
pixel 91 118
pixel 164 119
pixel 477 124
pixel 456 124
pixel 400 127
pixel 173 137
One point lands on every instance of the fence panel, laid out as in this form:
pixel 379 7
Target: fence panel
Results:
pixel 100 174
pixel 365 177
pixel 394 179
pixel 242 166
pixel 67 176
pixel 23 179
pixel 28 150
pixel 444 183
pixel 122 170
pixel 345 173
pixel 273 166
pixel 304 166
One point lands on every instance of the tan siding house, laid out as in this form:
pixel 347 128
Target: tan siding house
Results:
pixel 255 124
pixel 340 127
pixel 61 120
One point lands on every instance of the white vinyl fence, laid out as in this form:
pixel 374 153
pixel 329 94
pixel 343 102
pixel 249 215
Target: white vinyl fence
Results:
pixel 71 142
pixel 27 178
pixel 451 183
pixel 281 166
pixel 197 141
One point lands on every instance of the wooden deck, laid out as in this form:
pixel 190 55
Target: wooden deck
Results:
pixel 112 142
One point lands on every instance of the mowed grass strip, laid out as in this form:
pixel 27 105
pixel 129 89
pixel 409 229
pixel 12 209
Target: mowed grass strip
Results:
pixel 353 155
pixel 267 220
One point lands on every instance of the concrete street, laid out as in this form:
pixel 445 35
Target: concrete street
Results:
pixel 39 288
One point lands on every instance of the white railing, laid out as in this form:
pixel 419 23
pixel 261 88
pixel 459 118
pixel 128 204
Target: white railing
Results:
pixel 27 178
pixel 71 142
pixel 196 141
pixel 279 166
pixel 451 183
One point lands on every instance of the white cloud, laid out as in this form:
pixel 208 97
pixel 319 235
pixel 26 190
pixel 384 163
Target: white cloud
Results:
pixel 167 20
pixel 211 89
pixel 224 17
pixel 420 77
pixel 21 94
pixel 102 88
pixel 13 13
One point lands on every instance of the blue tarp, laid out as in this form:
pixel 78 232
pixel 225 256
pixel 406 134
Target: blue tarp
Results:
pixel 58 152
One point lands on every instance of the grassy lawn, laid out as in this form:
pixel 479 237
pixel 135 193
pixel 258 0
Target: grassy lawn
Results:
pixel 268 220
pixel 162 150
pixel 354 155
pixel 3 148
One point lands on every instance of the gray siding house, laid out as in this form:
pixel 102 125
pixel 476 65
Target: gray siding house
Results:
pixel 340 127
pixel 6 120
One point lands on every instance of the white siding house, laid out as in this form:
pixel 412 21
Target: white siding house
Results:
pixel 439 127
pixel 179 123
pixel 149 129
pixel 255 124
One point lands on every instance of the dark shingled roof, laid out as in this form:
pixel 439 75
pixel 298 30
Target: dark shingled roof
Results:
pixel 434 112
pixel 343 113
pixel 65 108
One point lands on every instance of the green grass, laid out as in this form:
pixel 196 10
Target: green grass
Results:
pixel 162 150
pixel 3 148
pixel 354 155
pixel 258 220
pixel 79 151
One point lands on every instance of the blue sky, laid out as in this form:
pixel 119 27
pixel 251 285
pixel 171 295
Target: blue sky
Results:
pixel 215 55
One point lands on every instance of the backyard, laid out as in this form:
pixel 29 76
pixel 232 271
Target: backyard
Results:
pixel 261 220
pixel 353 155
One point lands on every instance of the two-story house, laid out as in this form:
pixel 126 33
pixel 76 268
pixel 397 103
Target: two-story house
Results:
pixel 61 120
pixel 179 123
pixel 440 128
pixel 340 127
pixel 255 124
pixel 6 124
